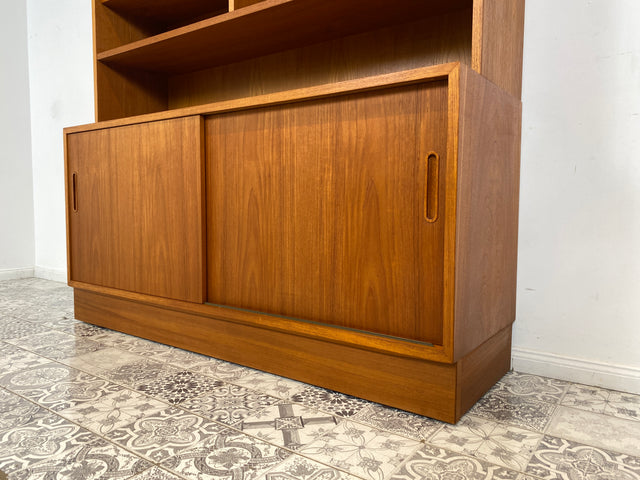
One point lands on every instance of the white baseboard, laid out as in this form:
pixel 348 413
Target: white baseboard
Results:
pixel 16 273
pixel 50 274
pixel 615 377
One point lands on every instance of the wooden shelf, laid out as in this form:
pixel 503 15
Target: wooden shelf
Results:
pixel 167 12
pixel 264 28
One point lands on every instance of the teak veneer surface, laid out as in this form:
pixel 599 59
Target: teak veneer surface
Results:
pixel 264 28
pixel 487 211
pixel 165 14
pixel 317 210
pixel 430 41
pixel 138 222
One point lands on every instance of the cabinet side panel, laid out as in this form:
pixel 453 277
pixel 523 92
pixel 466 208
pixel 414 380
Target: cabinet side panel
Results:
pixel 479 370
pixel 487 213
pixel 138 220
pixel 498 33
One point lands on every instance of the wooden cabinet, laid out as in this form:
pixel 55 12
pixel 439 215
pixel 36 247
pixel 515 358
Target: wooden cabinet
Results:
pixel 321 189
pixel 136 218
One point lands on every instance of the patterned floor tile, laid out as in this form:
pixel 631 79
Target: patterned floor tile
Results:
pixel 229 404
pixel 229 372
pixel 361 450
pixel 179 387
pixel 623 405
pixel 47 437
pixel 600 400
pixel 288 424
pixel 435 463
pixel 128 343
pixel 270 384
pixel 299 468
pixel 504 445
pixel 330 401
pixel 398 421
pixel 38 340
pixel 43 314
pixel 226 455
pixel 163 434
pixel 141 372
pixel 61 393
pixel 103 360
pixel 113 411
pixel 38 377
pixel 20 328
pixel 515 410
pixel 15 359
pixel 64 352
pixel 584 397
pixel 559 459
pixel 81 329
pixel 596 429
pixel 97 460
pixel 15 411
pixel 181 358
pixel 64 323
pixel 531 387
pixel 156 473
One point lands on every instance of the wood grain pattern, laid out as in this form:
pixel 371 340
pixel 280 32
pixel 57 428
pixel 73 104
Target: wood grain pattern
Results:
pixel 315 211
pixel 431 41
pixel 112 30
pixel 426 388
pixel 404 77
pixel 498 40
pixel 480 369
pixel 487 211
pixel 166 14
pixel 196 46
pixel 139 221
pixel 236 4
pixel 354 338
pixel 127 93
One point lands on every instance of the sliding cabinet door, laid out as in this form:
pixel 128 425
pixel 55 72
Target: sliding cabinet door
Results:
pixel 135 208
pixel 331 210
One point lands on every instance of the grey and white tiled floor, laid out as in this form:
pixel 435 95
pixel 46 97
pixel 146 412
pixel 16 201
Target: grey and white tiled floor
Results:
pixel 80 402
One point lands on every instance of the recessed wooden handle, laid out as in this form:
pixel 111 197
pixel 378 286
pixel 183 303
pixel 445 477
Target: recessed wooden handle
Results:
pixel 431 186
pixel 74 191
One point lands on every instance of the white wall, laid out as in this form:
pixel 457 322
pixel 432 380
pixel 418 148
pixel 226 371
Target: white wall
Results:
pixel 578 311
pixel 61 81
pixel 16 188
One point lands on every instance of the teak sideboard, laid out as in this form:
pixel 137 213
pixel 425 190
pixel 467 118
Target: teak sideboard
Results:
pixel 322 189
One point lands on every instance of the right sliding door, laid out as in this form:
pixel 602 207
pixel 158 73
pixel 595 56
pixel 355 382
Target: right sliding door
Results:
pixel 332 210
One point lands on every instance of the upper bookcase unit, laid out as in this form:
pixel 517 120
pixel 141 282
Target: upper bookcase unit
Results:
pixel 165 54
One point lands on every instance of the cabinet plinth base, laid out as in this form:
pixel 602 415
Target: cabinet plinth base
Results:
pixel 438 390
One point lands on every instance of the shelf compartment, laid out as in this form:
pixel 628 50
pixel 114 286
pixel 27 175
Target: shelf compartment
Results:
pixel 167 14
pixel 264 28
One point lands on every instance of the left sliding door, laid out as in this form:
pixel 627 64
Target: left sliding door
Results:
pixel 135 208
